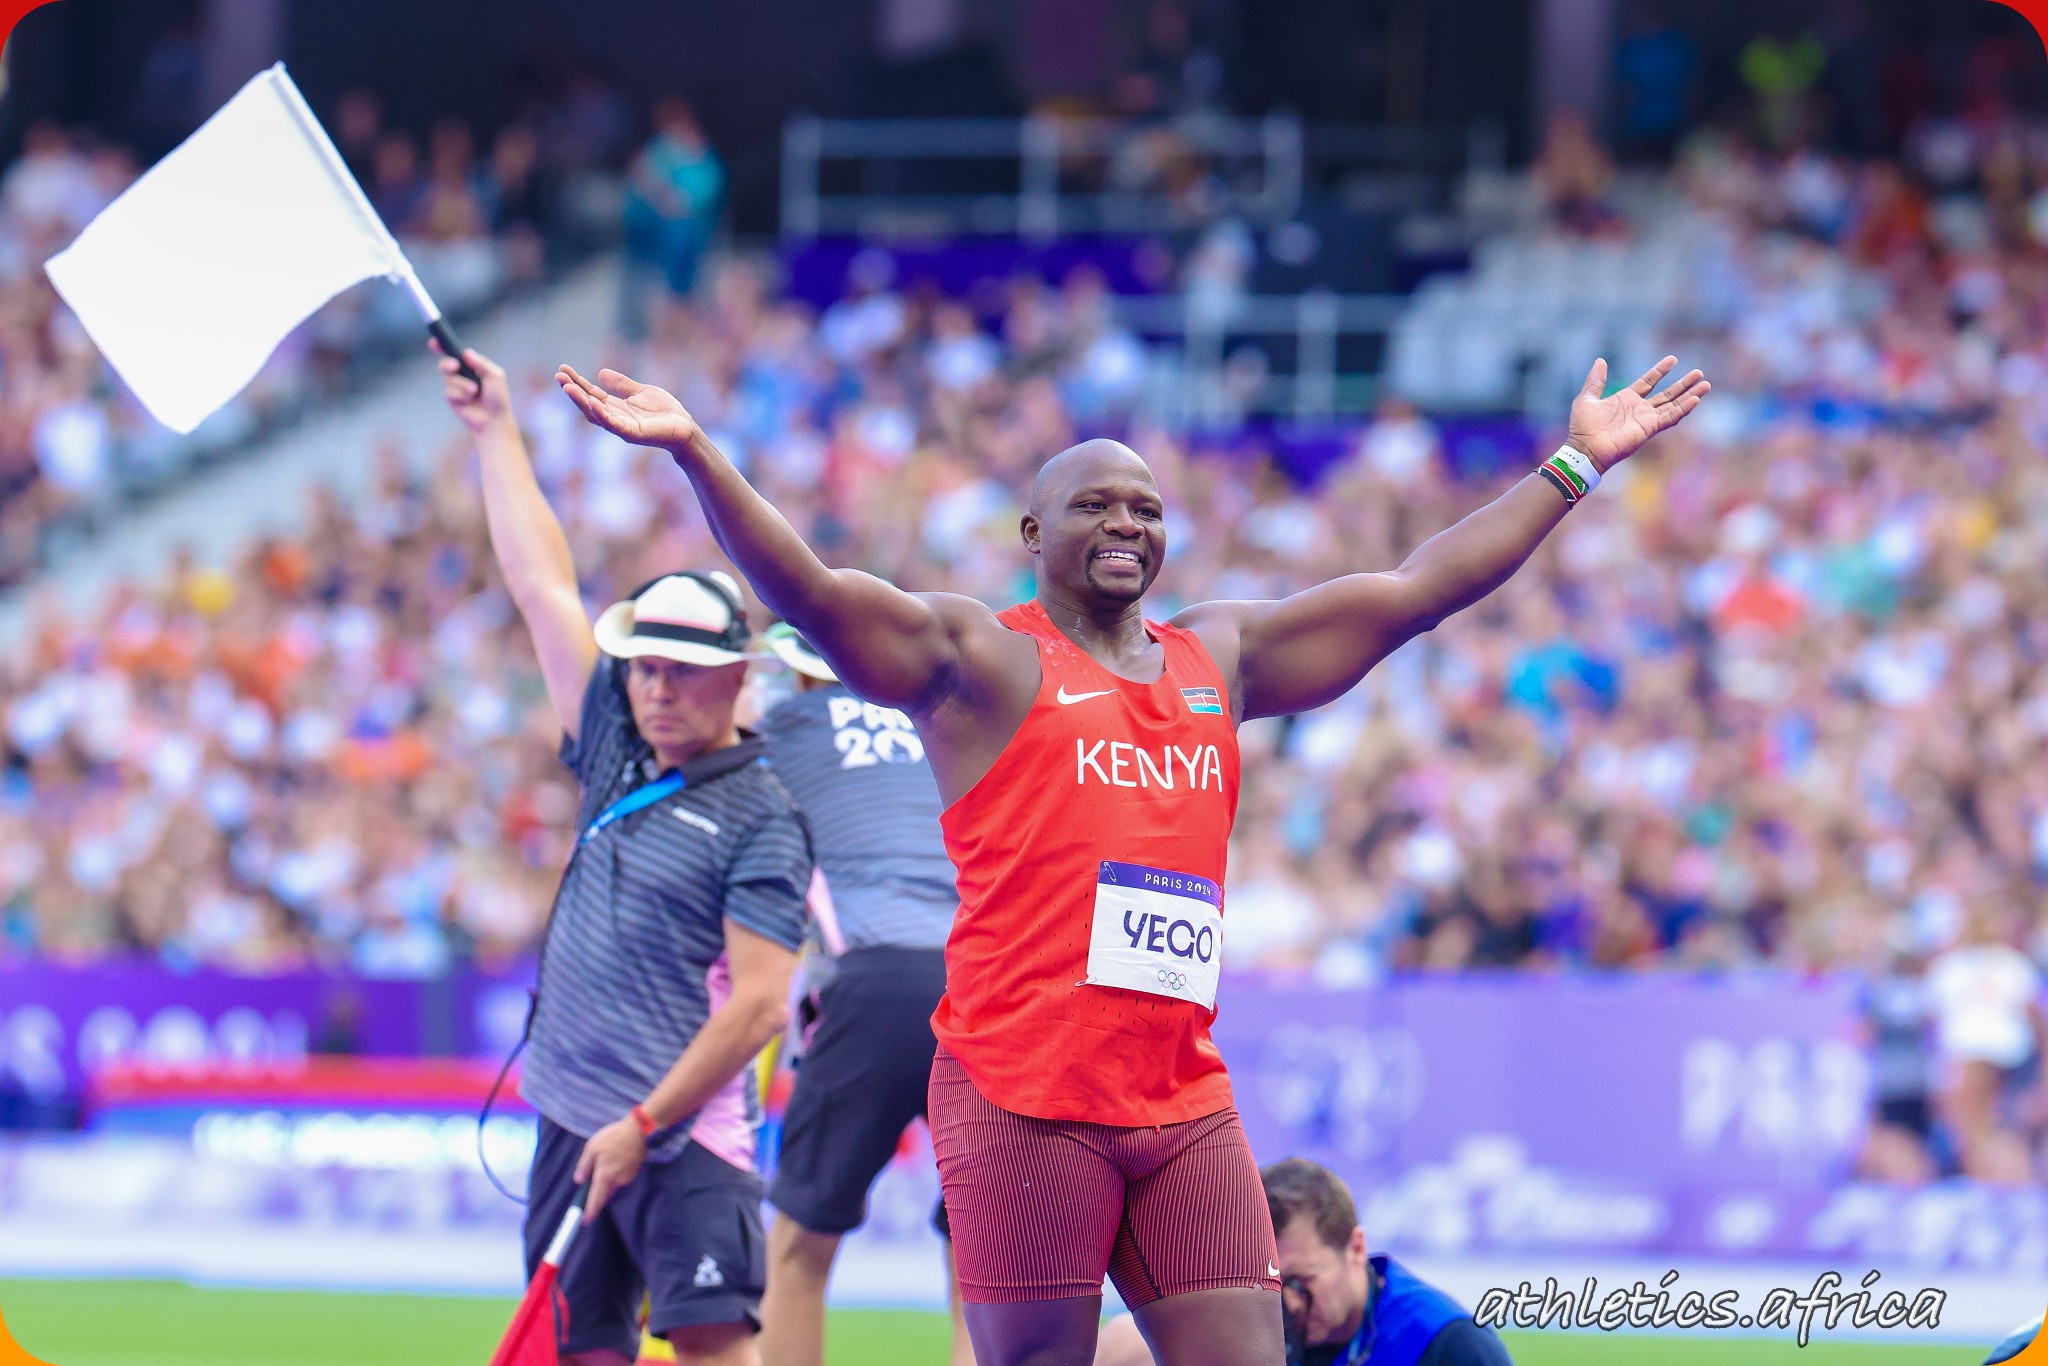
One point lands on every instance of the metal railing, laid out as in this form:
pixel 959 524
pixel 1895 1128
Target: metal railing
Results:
pixel 1091 175
pixel 1047 160
pixel 1201 379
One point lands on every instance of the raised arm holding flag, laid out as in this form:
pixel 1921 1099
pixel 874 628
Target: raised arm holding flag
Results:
pixel 193 276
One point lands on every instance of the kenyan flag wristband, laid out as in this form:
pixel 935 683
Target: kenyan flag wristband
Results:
pixel 1558 482
pixel 1570 473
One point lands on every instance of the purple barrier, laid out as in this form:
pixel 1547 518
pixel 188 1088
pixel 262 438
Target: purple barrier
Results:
pixel 1493 1113
pixel 1476 1114
pixel 817 270
pixel 1478 446
pixel 60 1024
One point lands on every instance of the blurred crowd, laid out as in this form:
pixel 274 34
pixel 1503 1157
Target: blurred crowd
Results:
pixel 58 424
pixel 1775 697
pixel 1850 559
pixel 475 222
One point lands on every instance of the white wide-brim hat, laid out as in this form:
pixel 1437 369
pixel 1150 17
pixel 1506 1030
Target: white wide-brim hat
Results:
pixel 792 649
pixel 689 617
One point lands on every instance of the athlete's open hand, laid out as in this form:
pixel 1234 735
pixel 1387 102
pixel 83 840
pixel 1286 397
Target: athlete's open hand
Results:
pixel 1610 430
pixel 630 410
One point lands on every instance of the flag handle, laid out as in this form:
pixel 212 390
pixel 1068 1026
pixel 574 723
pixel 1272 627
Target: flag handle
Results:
pixel 345 182
pixel 439 330
pixel 572 1219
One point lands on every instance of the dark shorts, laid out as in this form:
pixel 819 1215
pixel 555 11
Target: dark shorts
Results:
pixel 686 1233
pixel 1041 1209
pixel 1910 1113
pixel 861 1082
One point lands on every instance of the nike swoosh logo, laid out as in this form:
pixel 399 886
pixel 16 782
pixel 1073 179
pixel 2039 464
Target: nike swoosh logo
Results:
pixel 1068 699
pixel 1272 1270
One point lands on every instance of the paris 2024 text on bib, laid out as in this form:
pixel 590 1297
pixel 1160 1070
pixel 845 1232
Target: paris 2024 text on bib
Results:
pixel 1156 931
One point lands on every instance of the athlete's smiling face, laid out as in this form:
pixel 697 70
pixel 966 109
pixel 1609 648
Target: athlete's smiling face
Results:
pixel 1096 523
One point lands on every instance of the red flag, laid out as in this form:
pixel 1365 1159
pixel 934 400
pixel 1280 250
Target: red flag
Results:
pixel 534 1336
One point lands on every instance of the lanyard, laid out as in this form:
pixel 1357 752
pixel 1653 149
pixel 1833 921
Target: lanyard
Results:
pixel 638 799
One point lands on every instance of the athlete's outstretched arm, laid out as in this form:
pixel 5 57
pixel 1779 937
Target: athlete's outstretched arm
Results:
pixel 1303 651
pixel 890 647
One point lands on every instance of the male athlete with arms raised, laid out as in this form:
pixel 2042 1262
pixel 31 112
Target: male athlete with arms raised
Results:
pixel 1088 758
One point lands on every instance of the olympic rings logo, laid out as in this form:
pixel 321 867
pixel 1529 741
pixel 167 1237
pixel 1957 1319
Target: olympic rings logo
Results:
pixel 1172 981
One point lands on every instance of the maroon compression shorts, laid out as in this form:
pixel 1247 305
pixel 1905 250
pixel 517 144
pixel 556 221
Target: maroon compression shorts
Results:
pixel 1042 1208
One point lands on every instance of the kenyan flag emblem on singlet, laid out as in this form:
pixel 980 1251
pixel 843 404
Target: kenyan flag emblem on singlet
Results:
pixel 1206 700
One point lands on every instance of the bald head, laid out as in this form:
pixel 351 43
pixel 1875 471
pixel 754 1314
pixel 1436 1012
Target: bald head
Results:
pixel 1096 526
pixel 1089 462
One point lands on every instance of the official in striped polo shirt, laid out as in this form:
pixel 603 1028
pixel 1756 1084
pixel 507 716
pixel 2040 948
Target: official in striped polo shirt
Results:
pixel 859 773
pixel 668 957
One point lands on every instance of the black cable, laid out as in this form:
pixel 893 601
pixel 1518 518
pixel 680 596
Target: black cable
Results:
pixel 483 1115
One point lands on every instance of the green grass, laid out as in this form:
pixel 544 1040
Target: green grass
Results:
pixel 161 1323
pixel 1584 1349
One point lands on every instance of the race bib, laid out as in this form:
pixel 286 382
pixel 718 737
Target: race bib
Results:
pixel 1156 931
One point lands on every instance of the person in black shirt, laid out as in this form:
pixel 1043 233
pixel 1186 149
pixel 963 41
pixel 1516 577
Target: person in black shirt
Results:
pixel 1344 1308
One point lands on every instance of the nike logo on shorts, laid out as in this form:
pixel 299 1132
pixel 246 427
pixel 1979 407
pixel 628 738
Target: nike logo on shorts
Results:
pixel 1068 699
pixel 1272 1270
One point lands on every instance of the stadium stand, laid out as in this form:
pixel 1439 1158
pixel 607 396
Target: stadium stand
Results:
pixel 74 445
pixel 1773 700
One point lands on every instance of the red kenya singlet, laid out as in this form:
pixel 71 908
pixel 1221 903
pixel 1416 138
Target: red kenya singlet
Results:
pixel 1081 972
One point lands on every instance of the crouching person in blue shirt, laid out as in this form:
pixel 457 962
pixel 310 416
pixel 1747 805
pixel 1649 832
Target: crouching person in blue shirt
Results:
pixel 1344 1308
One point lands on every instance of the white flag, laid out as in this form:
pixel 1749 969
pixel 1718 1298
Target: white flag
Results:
pixel 190 279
